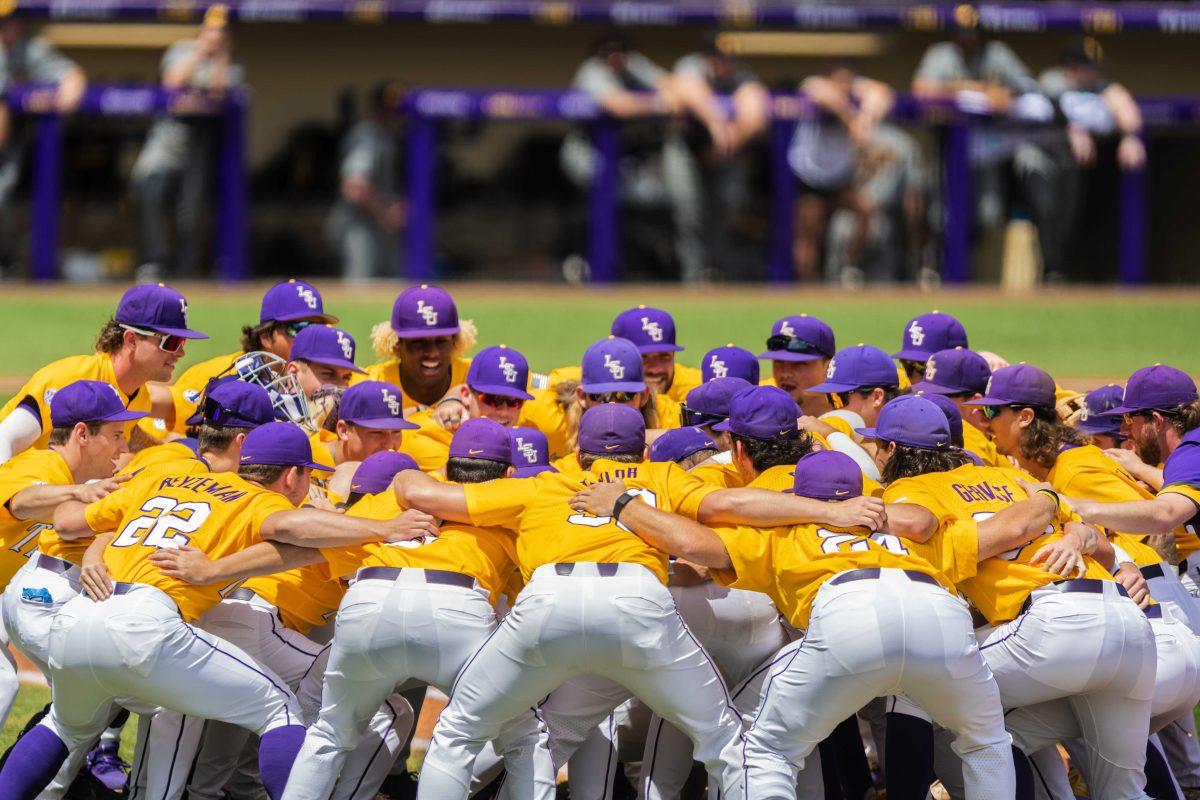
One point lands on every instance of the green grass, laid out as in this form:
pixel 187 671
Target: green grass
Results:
pixel 1090 334
pixel 31 699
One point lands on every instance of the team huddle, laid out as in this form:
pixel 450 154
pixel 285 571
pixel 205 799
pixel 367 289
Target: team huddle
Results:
pixel 626 565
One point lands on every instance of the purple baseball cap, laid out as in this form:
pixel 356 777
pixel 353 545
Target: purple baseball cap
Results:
pixel 325 344
pixel 712 398
pixel 89 401
pixel 1096 415
pixel 955 371
pixel 762 412
pixel 1019 384
pixel 375 473
pixel 827 475
pixel 861 366
pixel 374 404
pixel 530 452
pixel 651 329
pixel 421 311
pixel 729 361
pixel 482 438
pixel 612 428
pixel 913 421
pixel 679 443
pixel 232 403
pixel 280 444
pixel 1156 387
pixel 612 365
pixel 800 338
pixel 950 409
pixel 499 370
pixel 158 308
pixel 926 334
pixel 293 300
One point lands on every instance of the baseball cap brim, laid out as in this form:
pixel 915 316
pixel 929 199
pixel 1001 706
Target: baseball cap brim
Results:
pixel 866 433
pixel 308 464
pixel 529 472
pixel 339 363
pixel 384 423
pixel 912 355
pixel 785 355
pixel 1119 410
pixel 1109 426
pixel 665 347
pixel 929 387
pixel 425 333
pixel 832 387
pixel 992 401
pixel 123 416
pixel 616 386
pixel 504 390
pixel 723 425
pixel 183 333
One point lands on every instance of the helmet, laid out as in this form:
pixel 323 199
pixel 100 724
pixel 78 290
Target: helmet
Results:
pixel 270 372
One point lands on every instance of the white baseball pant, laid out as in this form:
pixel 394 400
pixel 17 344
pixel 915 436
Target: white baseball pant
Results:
pixel 1080 663
pixel 617 621
pixel 405 626
pixel 739 630
pixel 136 651
pixel 9 683
pixel 873 633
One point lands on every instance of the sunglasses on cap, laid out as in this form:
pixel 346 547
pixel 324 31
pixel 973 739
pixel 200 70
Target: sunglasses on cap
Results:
pixel 613 397
pixel 791 344
pixel 499 400
pixel 991 412
pixel 292 328
pixel 217 414
pixel 689 417
pixel 168 343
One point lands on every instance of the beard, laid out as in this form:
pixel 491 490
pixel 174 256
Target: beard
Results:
pixel 1148 450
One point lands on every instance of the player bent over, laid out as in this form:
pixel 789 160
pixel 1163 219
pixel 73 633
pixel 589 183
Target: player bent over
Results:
pixel 879 620
pixel 136 647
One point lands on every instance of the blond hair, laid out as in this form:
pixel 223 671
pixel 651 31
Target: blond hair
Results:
pixel 387 344
pixel 568 399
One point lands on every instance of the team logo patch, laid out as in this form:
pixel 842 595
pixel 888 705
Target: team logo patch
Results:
pixel 527 450
pixel 1084 412
pixel 930 370
pixel 428 313
pixel 306 294
pixel 786 328
pixel 987 390
pixel 916 334
pixel 347 345
pixel 719 370
pixel 509 369
pixel 392 402
pixel 829 373
pixel 653 329
pixel 615 367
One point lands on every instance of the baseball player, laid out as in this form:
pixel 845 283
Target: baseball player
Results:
pixel 729 361
pixel 287 308
pixel 443 592
pixel 1104 428
pixel 369 420
pixel 495 389
pixel 136 645
pixel 861 598
pixel 799 349
pixel 1045 674
pixel 374 474
pixel 595 598
pixel 423 347
pixel 322 355
pixel 142 342
pixel 962 375
pixel 610 372
pixel 924 335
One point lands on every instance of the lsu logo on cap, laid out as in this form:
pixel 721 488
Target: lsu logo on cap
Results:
pixel 392 402
pixel 428 313
pixel 719 370
pixel 930 370
pixel 527 450
pixel 48 395
pixel 829 373
pixel 916 334
pixel 347 345
pixel 509 369
pixel 1084 413
pixel 786 328
pixel 614 366
pixel 653 329
pixel 987 390
pixel 306 294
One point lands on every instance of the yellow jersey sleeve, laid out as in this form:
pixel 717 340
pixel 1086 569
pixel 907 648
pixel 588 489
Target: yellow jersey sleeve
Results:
pixel 841 425
pixel 723 476
pixel 682 491
pixel 953 550
pixel 751 556
pixel 920 493
pixel 500 503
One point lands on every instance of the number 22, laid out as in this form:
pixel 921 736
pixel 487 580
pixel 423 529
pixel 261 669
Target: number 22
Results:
pixel 182 518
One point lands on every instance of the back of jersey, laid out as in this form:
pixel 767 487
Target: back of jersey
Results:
pixel 217 513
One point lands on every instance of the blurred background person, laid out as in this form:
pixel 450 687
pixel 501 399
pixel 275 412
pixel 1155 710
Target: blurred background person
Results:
pixel 171 173
pixel 706 186
pixel 1098 113
pixel 26 59
pixel 824 155
pixel 632 88
pixel 364 227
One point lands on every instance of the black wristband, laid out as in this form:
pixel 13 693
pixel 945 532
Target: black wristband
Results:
pixel 622 501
